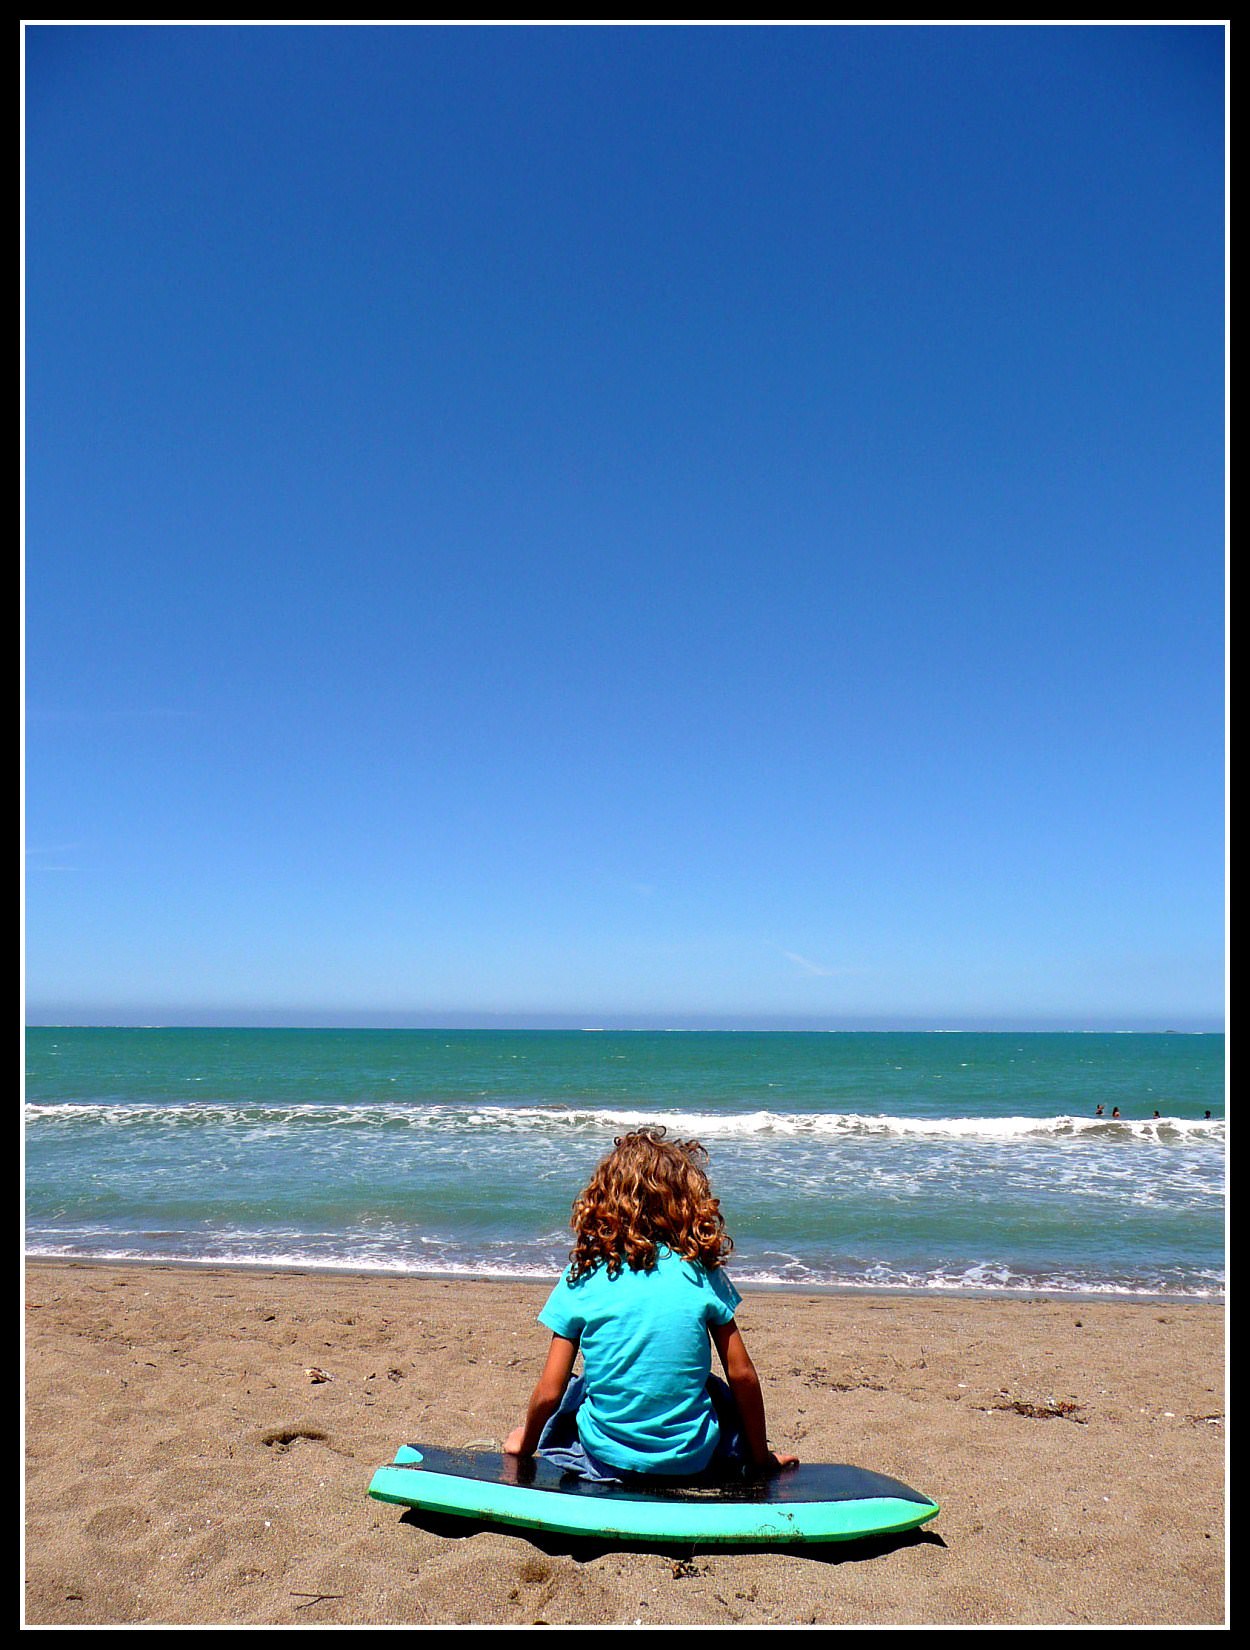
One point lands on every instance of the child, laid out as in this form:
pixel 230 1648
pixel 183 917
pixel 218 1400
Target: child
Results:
pixel 644 1291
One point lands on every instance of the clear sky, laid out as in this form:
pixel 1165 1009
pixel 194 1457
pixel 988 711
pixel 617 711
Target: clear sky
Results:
pixel 657 525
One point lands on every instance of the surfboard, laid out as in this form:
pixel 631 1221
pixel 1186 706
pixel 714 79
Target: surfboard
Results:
pixel 811 1502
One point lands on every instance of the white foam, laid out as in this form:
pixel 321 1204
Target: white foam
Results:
pixel 981 1277
pixel 457 1116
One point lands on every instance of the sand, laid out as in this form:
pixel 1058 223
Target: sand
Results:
pixel 183 1468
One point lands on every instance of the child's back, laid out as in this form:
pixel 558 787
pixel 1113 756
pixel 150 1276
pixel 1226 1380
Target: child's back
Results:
pixel 646 1352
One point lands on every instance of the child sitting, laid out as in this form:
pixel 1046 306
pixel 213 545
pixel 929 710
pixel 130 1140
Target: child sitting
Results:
pixel 644 1291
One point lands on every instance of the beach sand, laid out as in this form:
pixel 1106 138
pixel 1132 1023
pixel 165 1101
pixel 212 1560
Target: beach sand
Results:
pixel 183 1468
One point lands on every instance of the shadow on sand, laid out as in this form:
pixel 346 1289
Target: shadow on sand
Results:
pixel 585 1549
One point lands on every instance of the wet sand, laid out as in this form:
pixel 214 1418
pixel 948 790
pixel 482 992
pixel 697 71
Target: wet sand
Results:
pixel 183 1467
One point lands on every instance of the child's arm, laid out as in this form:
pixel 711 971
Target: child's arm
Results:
pixel 744 1383
pixel 544 1402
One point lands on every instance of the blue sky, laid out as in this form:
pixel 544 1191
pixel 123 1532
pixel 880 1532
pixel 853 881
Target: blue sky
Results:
pixel 666 525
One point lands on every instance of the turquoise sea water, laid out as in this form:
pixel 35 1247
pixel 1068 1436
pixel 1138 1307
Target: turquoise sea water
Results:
pixel 922 1160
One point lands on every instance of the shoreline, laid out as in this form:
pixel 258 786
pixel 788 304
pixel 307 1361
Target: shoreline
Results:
pixel 184 1467
pixel 748 1285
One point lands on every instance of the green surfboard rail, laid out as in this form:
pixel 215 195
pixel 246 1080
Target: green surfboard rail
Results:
pixel 759 1513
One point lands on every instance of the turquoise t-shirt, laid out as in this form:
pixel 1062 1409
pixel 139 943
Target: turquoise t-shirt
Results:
pixel 644 1338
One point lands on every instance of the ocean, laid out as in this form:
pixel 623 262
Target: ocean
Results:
pixel 936 1161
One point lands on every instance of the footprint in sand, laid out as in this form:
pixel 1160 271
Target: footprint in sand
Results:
pixel 280 1439
pixel 118 1526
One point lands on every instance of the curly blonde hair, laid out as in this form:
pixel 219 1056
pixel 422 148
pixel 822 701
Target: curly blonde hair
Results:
pixel 647 1192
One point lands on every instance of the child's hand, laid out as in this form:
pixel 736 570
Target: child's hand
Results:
pixel 513 1442
pixel 773 1463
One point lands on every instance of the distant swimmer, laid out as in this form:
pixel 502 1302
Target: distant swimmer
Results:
pixel 1115 1111
pixel 1156 1114
pixel 1097 1111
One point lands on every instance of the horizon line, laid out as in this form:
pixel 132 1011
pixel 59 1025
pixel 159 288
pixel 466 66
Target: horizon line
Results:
pixel 708 1023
